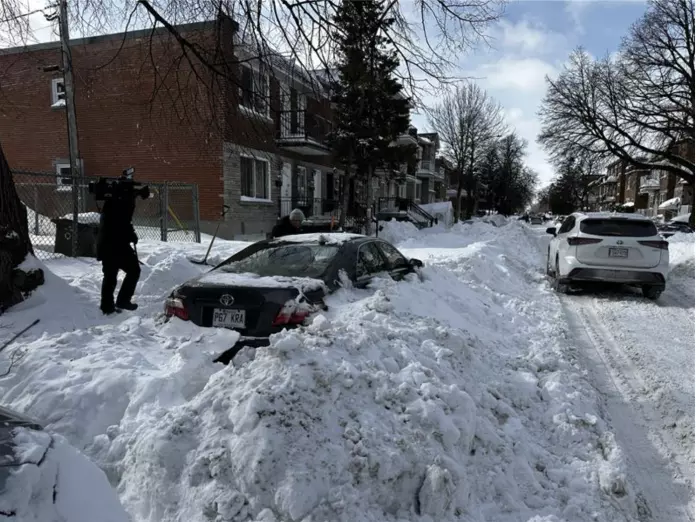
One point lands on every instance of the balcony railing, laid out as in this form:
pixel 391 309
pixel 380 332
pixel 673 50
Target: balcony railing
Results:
pixel 650 183
pixel 303 131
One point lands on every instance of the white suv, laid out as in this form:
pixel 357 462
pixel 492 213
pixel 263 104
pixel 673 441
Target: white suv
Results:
pixel 610 247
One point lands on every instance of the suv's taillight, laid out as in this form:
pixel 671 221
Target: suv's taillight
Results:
pixel 174 306
pixel 662 245
pixel 577 241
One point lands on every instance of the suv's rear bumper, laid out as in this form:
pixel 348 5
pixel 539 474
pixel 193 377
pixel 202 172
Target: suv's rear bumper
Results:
pixel 614 276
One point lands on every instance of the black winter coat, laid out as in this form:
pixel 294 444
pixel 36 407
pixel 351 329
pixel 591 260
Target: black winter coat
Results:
pixel 116 231
pixel 285 228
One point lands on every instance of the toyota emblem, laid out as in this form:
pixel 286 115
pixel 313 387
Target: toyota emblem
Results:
pixel 226 299
pixel 619 242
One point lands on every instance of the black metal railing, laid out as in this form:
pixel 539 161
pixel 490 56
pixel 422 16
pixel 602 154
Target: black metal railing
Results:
pixel 415 212
pixel 302 125
pixel 324 214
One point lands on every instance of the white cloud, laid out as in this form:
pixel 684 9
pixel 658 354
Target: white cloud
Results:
pixel 525 37
pixel 524 74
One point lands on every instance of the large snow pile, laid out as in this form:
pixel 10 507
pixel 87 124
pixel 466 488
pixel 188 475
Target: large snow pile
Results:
pixel 52 482
pixel 449 397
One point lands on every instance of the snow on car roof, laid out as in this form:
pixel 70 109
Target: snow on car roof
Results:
pixel 610 215
pixel 333 238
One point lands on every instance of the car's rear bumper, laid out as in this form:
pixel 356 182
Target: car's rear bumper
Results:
pixel 614 276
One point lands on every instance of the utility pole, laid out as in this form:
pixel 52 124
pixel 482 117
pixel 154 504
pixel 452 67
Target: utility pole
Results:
pixel 75 168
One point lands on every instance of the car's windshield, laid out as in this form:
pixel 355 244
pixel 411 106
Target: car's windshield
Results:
pixel 289 260
pixel 618 227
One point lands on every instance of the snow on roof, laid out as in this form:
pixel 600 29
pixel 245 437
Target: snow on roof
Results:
pixel 333 238
pixel 674 202
pixel 424 140
pixel 610 215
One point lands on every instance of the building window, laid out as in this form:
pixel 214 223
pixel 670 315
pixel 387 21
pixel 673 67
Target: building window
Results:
pixel 57 92
pixel 255 92
pixel 255 178
pixel 63 176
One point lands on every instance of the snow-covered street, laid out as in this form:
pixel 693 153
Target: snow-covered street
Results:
pixel 473 393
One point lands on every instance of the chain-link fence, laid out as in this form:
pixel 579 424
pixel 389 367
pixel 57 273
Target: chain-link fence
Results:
pixel 170 213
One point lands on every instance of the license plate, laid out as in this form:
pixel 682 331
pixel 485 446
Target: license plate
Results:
pixel 618 252
pixel 227 318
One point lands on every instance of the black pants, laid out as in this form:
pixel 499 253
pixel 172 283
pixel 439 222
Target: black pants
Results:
pixel 122 259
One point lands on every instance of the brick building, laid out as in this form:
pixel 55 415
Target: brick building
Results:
pixel 251 135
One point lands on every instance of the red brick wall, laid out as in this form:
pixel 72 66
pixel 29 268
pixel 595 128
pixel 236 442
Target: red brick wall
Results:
pixel 159 120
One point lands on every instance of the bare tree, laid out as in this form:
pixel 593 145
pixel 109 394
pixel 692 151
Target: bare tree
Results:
pixel 467 120
pixel 639 106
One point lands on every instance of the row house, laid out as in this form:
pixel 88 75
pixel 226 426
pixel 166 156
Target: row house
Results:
pixel 650 192
pixel 252 137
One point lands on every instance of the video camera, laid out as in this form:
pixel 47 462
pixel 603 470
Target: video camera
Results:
pixel 119 189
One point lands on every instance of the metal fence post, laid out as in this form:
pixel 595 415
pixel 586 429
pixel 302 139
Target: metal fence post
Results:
pixel 164 211
pixel 196 214
pixel 76 211
pixel 36 210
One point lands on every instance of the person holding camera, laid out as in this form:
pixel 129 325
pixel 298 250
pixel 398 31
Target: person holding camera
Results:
pixel 116 233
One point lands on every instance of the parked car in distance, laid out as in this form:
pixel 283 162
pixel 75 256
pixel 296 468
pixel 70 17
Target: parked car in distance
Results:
pixel 277 283
pixel 536 220
pixel 678 224
pixel 608 247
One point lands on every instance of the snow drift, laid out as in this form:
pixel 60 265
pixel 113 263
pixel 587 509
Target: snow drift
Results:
pixel 449 396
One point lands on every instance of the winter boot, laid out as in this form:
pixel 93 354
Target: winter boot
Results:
pixel 127 306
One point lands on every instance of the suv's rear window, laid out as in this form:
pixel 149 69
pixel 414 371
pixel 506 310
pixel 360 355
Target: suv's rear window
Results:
pixel 618 227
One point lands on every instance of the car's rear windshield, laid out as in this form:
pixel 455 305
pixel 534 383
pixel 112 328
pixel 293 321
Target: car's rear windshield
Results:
pixel 618 227
pixel 289 260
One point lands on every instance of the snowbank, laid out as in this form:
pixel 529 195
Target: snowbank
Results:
pixel 56 483
pixel 681 258
pixel 446 397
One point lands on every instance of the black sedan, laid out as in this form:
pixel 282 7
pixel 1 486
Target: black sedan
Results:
pixel 672 227
pixel 277 283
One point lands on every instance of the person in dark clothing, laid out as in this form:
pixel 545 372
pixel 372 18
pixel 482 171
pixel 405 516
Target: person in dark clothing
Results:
pixel 116 233
pixel 290 224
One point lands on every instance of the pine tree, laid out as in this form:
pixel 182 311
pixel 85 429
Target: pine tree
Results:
pixel 370 110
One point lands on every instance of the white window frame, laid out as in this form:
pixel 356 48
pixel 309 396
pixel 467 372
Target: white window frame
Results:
pixel 55 94
pixel 252 199
pixel 59 183
pixel 266 95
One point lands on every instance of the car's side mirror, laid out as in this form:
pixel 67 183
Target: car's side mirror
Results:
pixel 417 263
pixel 551 230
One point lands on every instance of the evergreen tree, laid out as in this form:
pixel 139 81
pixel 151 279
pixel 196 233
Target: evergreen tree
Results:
pixel 370 110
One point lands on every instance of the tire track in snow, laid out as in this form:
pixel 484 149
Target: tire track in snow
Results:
pixel 664 492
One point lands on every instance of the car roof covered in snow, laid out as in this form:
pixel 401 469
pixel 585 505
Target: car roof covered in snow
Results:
pixel 332 238
pixel 611 215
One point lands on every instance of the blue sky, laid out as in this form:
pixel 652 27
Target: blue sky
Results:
pixel 533 39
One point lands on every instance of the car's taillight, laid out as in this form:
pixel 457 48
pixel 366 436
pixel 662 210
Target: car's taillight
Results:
pixel 174 306
pixel 285 318
pixel 577 241
pixel 662 245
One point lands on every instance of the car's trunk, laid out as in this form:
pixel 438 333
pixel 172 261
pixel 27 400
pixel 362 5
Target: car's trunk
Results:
pixel 617 242
pixel 248 310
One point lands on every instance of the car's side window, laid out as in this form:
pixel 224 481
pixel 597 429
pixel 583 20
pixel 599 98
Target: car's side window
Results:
pixel 370 261
pixel 394 257
pixel 568 225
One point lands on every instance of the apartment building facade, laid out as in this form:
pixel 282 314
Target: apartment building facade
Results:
pixel 252 135
pixel 652 192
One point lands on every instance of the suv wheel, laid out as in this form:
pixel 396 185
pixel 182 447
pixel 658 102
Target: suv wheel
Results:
pixel 652 292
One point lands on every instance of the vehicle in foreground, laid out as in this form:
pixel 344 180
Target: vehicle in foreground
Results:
pixel 608 247
pixel 276 284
